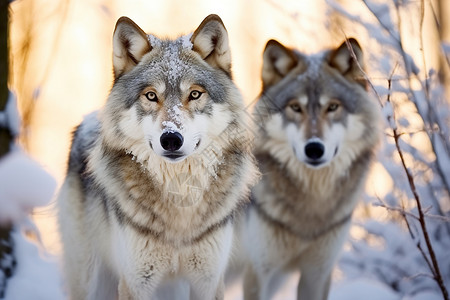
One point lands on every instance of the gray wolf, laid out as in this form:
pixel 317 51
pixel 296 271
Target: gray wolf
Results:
pixel 318 131
pixel 156 176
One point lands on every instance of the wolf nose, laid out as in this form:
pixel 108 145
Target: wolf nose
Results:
pixel 314 150
pixel 171 141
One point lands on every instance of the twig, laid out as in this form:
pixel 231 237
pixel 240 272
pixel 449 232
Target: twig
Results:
pixel 400 210
pixel 435 266
pixel 419 275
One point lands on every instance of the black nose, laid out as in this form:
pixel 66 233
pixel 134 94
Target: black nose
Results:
pixel 171 141
pixel 314 150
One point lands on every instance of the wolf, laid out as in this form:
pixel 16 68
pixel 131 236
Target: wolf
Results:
pixel 318 130
pixel 156 176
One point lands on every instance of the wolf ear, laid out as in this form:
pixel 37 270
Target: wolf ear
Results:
pixel 348 64
pixel 130 44
pixel 277 62
pixel 210 40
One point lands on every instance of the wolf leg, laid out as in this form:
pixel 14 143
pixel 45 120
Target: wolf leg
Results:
pixel 314 285
pixel 76 251
pixel 124 291
pixel 317 264
pixel 263 285
pixel 137 287
pixel 208 288
pixel 251 284
pixel 220 290
pixel 174 290
pixel 103 285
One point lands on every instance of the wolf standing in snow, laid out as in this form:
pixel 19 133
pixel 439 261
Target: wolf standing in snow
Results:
pixel 318 131
pixel 155 178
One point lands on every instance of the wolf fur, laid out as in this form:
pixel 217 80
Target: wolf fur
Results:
pixel 318 131
pixel 156 176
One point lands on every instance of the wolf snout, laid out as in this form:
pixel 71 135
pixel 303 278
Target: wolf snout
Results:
pixel 314 150
pixel 171 141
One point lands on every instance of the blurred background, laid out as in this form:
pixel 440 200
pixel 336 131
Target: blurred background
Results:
pixel 62 69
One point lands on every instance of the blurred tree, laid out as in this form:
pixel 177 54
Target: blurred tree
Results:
pixel 5 136
pixel 6 245
pixel 443 24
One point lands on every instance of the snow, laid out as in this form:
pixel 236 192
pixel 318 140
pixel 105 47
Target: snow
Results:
pixel 36 276
pixel 154 41
pixel 23 183
pixel 23 186
pixel 176 65
pixel 176 116
pixel 186 41
pixel 169 126
pixel 362 288
pixel 171 51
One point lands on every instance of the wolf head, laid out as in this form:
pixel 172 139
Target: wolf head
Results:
pixel 316 105
pixel 169 97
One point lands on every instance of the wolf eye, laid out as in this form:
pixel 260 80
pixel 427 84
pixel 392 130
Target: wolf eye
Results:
pixel 332 107
pixel 151 96
pixel 295 107
pixel 194 95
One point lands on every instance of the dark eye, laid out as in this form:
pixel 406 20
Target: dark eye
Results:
pixel 332 107
pixel 296 107
pixel 194 95
pixel 151 96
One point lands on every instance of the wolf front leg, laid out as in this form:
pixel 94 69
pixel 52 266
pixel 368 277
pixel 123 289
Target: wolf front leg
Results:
pixel 206 263
pixel 263 285
pixel 220 290
pixel 251 284
pixel 140 288
pixel 124 292
pixel 314 284
pixel 207 276
pixel 317 264
pixel 208 288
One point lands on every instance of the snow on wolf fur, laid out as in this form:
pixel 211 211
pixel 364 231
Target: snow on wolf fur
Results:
pixel 155 178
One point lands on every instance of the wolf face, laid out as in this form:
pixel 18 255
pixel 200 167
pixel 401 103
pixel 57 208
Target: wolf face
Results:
pixel 166 92
pixel 316 104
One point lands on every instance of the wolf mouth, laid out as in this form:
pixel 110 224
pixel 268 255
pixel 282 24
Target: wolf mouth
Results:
pixel 174 156
pixel 315 163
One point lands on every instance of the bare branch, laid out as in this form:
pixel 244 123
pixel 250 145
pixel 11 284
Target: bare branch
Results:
pixel 435 266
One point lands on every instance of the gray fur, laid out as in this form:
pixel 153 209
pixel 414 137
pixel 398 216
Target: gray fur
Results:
pixel 300 214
